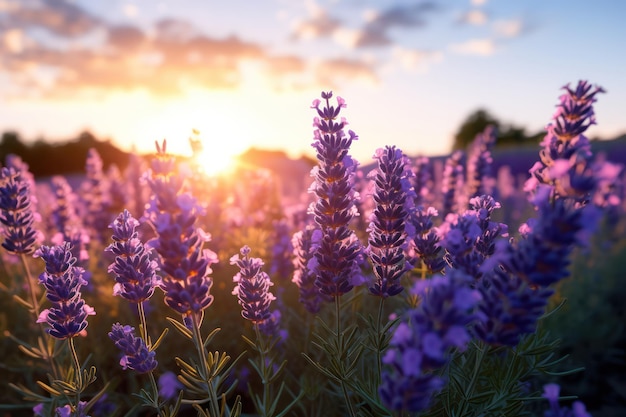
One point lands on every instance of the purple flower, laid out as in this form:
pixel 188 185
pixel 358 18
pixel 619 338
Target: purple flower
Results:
pixel 387 234
pixel 70 411
pixel 427 240
pixel 135 272
pixel 422 340
pixel 551 393
pixel 304 244
pixel 422 181
pixel 338 252
pixel 95 195
pixel 173 213
pixel 252 288
pixel 137 356
pixel 452 183
pixel 169 386
pixel 16 214
pixel 480 179
pixel 68 315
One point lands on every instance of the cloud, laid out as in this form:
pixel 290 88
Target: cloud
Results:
pixel 320 25
pixel 478 2
pixel 473 17
pixel 59 17
pixel 416 59
pixel 410 16
pixel 482 47
pixel 509 28
pixel 329 71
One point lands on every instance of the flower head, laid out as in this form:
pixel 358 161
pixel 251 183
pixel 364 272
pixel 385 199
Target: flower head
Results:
pixel 387 239
pixel 339 249
pixel 137 356
pixel 16 214
pixel 252 288
pixel 68 315
pixel 135 273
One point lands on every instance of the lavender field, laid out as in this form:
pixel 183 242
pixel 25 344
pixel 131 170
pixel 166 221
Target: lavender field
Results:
pixel 399 286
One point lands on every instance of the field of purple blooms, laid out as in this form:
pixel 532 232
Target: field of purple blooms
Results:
pixel 417 289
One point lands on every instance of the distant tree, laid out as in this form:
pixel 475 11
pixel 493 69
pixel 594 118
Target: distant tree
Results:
pixel 472 126
pixel 11 143
pixel 508 135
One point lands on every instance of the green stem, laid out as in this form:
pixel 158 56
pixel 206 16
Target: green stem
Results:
pixel 379 352
pixel 341 354
pixel 264 369
pixel 32 289
pixel 78 374
pixel 205 373
pixel 143 328
pixel 144 335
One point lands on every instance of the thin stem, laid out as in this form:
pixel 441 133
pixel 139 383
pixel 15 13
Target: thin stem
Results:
pixel 78 374
pixel 144 335
pixel 264 369
pixel 204 371
pixel 378 342
pixel 143 328
pixel 341 354
pixel 32 289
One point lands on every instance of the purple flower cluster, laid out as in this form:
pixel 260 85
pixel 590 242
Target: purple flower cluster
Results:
pixel 134 270
pixel 479 163
pixel 137 356
pixel 16 214
pixel 566 155
pixel 421 342
pixel 469 238
pixel 252 288
pixel 339 249
pixel 551 393
pixel 426 239
pixel 65 219
pixel 95 195
pixel 422 181
pixel 62 280
pixel 516 282
pixel 304 243
pixel 452 183
pixel 387 234
pixel 173 213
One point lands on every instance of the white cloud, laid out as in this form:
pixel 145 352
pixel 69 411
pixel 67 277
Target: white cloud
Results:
pixel 14 40
pixel 483 47
pixel 416 59
pixel 508 28
pixel 474 17
pixel 478 2
pixel 130 10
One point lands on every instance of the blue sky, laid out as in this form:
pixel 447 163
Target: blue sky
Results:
pixel 245 72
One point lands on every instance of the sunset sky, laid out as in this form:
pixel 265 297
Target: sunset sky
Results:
pixel 244 72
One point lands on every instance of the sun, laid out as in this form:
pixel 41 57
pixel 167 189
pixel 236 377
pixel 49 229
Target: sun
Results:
pixel 213 157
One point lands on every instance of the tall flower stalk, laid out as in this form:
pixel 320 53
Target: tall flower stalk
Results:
pixel 252 291
pixel 66 318
pixel 337 255
pixel 173 213
pixel 136 278
pixel 393 196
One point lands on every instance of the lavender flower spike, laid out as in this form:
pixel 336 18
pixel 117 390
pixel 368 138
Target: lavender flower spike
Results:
pixel 252 287
pixel 16 214
pixel 137 356
pixel 67 317
pixel 338 253
pixel 387 239
pixel 135 273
